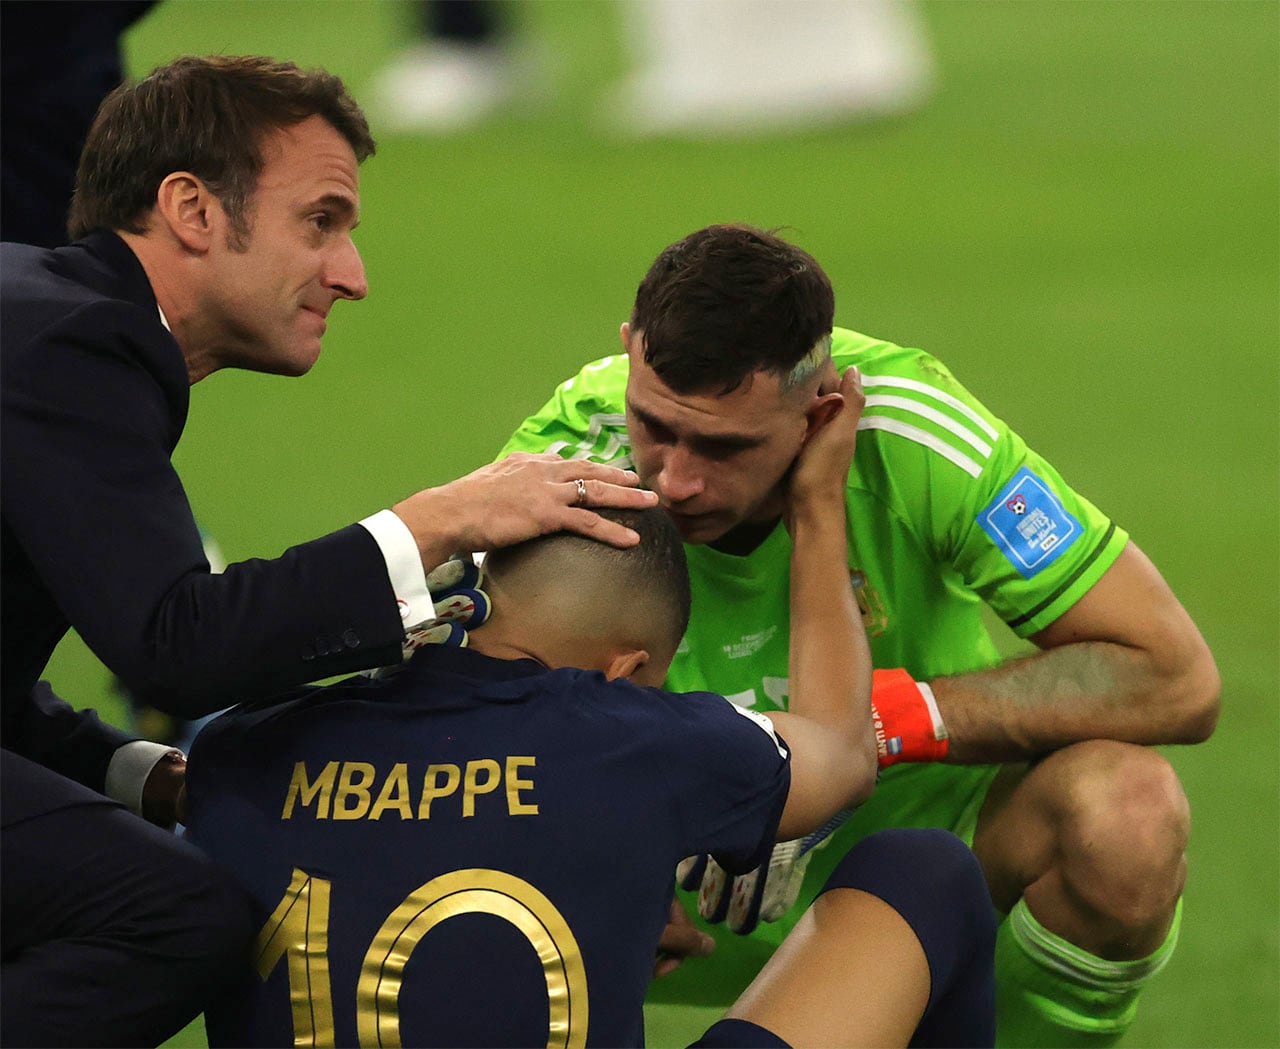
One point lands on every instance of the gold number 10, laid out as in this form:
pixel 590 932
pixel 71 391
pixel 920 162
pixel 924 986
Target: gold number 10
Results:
pixel 299 930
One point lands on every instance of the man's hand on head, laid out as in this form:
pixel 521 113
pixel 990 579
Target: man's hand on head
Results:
pixel 518 498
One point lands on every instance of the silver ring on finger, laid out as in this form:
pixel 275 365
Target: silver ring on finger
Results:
pixel 581 498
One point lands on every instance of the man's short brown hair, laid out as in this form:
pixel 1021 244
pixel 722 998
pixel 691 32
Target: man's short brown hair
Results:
pixel 728 301
pixel 206 115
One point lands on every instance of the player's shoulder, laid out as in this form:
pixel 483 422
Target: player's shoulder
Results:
pixel 690 720
pixel 55 298
pixel 888 364
pixel 281 715
pixel 585 417
pixel 36 292
pixel 598 384
pixel 916 410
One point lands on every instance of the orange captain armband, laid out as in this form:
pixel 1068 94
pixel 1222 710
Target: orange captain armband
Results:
pixel 907 722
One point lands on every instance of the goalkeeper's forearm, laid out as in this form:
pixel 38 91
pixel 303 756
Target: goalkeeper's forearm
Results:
pixel 1125 662
pixel 1033 705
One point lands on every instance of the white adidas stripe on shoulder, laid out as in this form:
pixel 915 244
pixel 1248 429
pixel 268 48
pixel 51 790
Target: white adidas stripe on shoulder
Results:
pixel 924 437
pixel 872 420
pixel 617 441
pixel 936 394
pixel 933 415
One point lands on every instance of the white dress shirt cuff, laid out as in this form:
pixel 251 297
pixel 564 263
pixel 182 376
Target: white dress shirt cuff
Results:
pixel 129 768
pixel 404 566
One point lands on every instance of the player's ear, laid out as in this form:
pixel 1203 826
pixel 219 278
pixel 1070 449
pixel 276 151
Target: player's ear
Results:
pixel 625 334
pixel 190 211
pixel 820 411
pixel 625 664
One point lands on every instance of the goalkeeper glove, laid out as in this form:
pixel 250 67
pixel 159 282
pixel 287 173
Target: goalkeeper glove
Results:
pixel 459 604
pixel 907 723
pixel 764 894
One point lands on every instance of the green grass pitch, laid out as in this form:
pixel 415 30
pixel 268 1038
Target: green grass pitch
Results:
pixel 1082 223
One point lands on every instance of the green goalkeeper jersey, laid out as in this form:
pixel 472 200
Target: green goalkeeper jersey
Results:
pixel 948 509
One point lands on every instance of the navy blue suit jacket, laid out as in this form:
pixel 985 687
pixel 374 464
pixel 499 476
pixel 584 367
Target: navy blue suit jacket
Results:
pixel 98 534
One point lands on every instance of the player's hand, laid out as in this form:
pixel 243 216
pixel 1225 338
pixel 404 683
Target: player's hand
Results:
pixel 460 604
pixel 821 470
pixel 164 794
pixel 681 939
pixel 763 894
pixel 518 498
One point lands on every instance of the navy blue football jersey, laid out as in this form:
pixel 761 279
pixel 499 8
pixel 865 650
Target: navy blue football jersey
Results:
pixel 470 851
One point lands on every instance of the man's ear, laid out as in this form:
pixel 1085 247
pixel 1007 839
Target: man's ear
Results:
pixel 625 333
pixel 190 211
pixel 825 403
pixel 821 410
pixel 625 664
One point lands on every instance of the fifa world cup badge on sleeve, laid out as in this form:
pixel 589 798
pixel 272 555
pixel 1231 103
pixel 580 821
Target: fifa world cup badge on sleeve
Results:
pixel 1029 524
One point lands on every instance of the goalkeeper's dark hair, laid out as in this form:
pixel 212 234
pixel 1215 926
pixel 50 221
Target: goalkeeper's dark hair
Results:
pixel 728 301
pixel 654 572
pixel 206 115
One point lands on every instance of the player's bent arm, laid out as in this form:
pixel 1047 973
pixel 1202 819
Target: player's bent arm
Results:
pixel 827 774
pixel 828 727
pixel 1126 662
pixel 828 724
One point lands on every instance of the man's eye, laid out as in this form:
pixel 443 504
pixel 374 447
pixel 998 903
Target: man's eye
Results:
pixel 658 432
pixel 322 221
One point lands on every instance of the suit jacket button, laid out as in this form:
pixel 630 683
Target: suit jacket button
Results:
pixel 351 638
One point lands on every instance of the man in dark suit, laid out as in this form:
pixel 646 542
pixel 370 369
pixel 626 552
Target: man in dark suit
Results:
pixel 214 207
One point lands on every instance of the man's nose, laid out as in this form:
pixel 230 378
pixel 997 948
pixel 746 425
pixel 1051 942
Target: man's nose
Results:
pixel 345 272
pixel 681 477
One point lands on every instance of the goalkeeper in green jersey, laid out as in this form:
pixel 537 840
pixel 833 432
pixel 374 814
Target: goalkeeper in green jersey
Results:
pixel 1044 763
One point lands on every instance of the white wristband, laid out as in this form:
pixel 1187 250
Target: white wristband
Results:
pixel 129 768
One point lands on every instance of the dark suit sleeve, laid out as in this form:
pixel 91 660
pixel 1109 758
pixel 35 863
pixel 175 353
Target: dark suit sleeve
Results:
pixel 72 742
pixel 91 419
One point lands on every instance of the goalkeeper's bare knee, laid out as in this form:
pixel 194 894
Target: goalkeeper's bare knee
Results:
pixel 1121 837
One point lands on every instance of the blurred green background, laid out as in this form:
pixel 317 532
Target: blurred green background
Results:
pixel 1083 223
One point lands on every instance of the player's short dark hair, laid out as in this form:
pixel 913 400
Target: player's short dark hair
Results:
pixel 653 572
pixel 728 301
pixel 207 115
